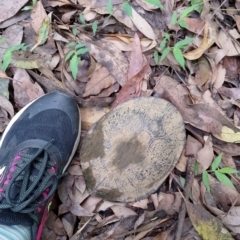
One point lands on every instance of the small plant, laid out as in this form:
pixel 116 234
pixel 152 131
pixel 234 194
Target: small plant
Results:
pixel 177 49
pixel 7 56
pixel 110 7
pixel 94 27
pixel 220 173
pixel 82 19
pixel 128 9
pixel 73 56
pixel 175 19
pixel 30 7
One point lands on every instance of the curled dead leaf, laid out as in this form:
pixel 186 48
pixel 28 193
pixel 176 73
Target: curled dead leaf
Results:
pixel 208 40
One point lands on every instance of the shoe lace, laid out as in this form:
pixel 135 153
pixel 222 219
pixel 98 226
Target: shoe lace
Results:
pixel 32 185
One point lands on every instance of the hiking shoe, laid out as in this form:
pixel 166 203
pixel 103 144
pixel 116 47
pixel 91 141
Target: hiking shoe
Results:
pixel 36 148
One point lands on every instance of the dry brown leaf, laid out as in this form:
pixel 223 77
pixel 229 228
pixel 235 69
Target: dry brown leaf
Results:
pixel 192 146
pixel 66 17
pixel 138 70
pixel 77 210
pixel 121 211
pixel 140 204
pixel 204 73
pixel 21 15
pixel 75 170
pixel 146 6
pixel 90 203
pixel 69 222
pixel 221 74
pixel 208 40
pixel 6 104
pixel 142 25
pixel 13 35
pixel 109 57
pixel 196 193
pixel 182 162
pixel 3 75
pixel 100 79
pixel 206 224
pixel 10 8
pixel 25 90
pixel 207 97
pixel 205 155
pixel 166 202
pixel 230 92
pixel 195 25
pixel 232 219
pixel 225 42
pixel 108 91
pixel 91 115
pixel 107 204
pixel 223 194
pixel 38 15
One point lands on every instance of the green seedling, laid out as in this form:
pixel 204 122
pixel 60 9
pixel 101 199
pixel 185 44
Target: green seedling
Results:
pixel 175 19
pixel 74 56
pixel 220 173
pixel 94 27
pixel 30 7
pixel 7 56
pixel 177 49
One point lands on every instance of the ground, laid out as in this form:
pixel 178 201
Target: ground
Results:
pixel 104 53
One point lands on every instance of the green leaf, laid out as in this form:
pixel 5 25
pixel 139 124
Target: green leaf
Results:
pixel 167 36
pixel 182 181
pixel 165 53
pixel 224 179
pixel 71 44
pixel 74 31
pixel 174 18
pixel 182 23
pixel 34 2
pixel 27 8
pixel 2 40
pixel 156 56
pixel 216 162
pixel 184 42
pixel 163 44
pixel 7 56
pixel 179 56
pixel 196 168
pixel 74 66
pixel 198 4
pixel 79 45
pixel 94 27
pixel 69 55
pixel 205 179
pixel 127 8
pixel 43 32
pixel 110 7
pixel 227 170
pixel 187 11
pixel 82 51
pixel 82 19
pixel 156 3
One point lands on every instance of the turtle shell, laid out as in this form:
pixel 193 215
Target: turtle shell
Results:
pixel 131 150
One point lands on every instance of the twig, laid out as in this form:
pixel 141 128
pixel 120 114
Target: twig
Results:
pixel 187 190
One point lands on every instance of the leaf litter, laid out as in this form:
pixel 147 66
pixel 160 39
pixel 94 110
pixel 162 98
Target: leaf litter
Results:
pixel 124 59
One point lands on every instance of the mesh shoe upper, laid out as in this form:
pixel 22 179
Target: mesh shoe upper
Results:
pixel 35 149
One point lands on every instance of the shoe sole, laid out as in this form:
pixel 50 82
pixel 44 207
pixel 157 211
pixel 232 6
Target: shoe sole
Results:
pixel 16 116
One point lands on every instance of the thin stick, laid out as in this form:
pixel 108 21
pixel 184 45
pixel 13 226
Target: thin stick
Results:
pixel 187 190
